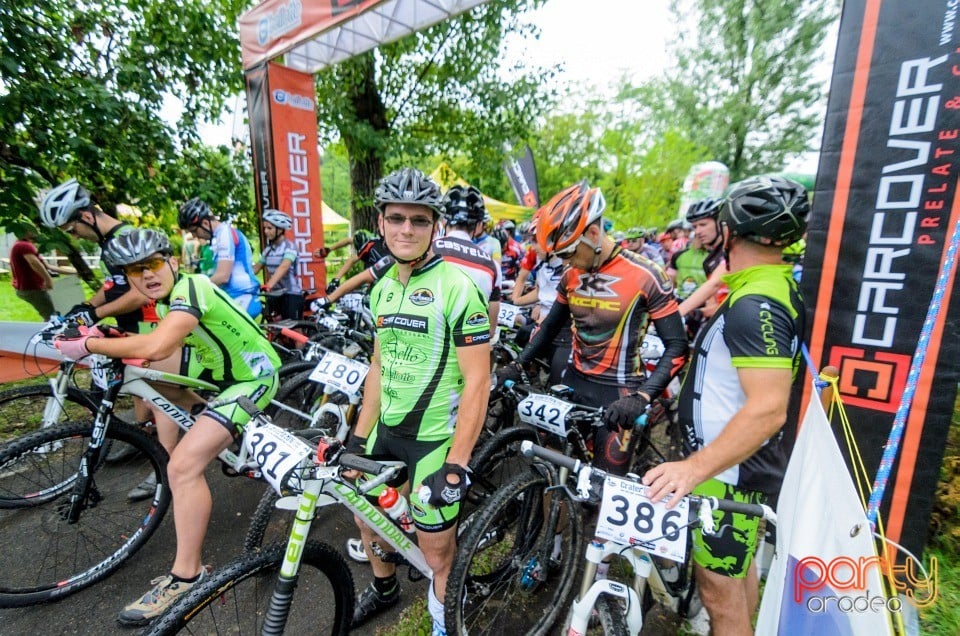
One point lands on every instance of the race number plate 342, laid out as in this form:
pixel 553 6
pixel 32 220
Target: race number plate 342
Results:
pixel 629 517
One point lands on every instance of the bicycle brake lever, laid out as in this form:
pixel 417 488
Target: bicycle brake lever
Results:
pixel 705 513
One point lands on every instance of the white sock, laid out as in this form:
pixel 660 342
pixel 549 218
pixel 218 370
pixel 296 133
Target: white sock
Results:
pixel 557 543
pixel 435 607
pixel 602 569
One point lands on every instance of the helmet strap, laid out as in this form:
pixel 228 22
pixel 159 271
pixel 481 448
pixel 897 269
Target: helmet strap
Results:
pixel 101 239
pixel 597 250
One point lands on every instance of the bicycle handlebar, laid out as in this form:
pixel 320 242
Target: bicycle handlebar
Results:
pixel 706 505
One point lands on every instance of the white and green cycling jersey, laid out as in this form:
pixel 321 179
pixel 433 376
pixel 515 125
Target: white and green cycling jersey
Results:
pixel 227 341
pixel 419 327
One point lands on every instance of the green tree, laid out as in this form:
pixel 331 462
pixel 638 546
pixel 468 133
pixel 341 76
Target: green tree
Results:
pixel 744 85
pixel 440 91
pixel 82 86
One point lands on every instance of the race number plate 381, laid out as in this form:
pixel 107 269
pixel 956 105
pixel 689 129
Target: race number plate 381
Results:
pixel 342 373
pixel 277 451
pixel 627 516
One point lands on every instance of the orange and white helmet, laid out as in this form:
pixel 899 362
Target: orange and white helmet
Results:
pixel 563 220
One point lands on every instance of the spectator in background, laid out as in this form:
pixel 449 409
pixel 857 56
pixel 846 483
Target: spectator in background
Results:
pixel 189 252
pixel 31 278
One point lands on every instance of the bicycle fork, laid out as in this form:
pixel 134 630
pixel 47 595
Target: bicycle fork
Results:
pixel 591 589
pixel 282 597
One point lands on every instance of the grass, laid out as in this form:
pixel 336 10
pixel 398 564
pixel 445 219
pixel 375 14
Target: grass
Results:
pixel 12 309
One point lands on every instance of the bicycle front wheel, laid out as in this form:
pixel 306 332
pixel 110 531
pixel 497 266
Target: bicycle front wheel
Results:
pixel 43 556
pixel 236 599
pixel 516 562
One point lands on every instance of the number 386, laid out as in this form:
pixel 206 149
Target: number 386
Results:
pixel 645 517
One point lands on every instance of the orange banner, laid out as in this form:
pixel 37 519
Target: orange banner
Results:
pixel 283 130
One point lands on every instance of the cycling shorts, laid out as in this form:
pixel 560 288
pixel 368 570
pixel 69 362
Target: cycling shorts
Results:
pixel 730 551
pixel 231 416
pixel 422 458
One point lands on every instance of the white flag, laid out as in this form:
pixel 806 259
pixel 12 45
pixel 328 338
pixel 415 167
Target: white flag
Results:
pixel 825 578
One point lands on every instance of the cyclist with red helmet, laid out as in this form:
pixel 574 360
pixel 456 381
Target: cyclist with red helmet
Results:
pixel 611 295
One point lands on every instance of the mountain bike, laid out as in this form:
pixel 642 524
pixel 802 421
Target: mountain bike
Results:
pixel 64 509
pixel 264 591
pixel 632 527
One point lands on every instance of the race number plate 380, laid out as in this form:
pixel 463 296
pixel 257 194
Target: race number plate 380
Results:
pixel 628 517
pixel 342 373
pixel 545 411
pixel 278 453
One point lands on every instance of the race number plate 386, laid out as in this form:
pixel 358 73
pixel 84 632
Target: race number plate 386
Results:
pixel 342 373
pixel 627 516
pixel 277 451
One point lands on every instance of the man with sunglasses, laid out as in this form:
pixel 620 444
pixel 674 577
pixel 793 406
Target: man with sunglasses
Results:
pixel 425 395
pixel 235 355
pixel 611 295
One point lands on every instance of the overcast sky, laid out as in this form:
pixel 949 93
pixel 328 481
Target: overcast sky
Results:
pixel 596 41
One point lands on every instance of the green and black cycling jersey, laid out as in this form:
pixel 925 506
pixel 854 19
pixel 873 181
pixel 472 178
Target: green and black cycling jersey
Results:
pixel 419 327
pixel 227 341
pixel 758 326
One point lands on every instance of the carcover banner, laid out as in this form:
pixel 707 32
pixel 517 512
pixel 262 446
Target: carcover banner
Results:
pixel 522 174
pixel 885 204
pixel 286 161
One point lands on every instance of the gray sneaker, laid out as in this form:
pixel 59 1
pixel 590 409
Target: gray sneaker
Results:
pixel 144 489
pixel 120 451
pixel 152 604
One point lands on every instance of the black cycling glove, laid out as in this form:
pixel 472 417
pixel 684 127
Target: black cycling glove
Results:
pixel 356 445
pixel 513 372
pixel 84 313
pixel 438 490
pixel 623 414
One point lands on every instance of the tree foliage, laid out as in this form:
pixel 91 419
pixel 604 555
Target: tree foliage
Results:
pixel 745 85
pixel 82 87
pixel 442 91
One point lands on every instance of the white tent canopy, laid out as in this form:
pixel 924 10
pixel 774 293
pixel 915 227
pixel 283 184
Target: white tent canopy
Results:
pixel 315 35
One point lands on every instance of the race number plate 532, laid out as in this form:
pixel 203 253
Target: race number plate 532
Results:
pixel 627 516
pixel 278 453
pixel 342 373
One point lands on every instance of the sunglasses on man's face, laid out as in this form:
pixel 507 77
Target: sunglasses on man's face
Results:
pixel 153 264
pixel 419 222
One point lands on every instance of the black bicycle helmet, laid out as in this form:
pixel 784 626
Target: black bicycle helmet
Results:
pixel 361 238
pixel 766 210
pixel 192 212
pixel 135 246
pixel 63 203
pixel 408 185
pixel 463 206
pixel 703 209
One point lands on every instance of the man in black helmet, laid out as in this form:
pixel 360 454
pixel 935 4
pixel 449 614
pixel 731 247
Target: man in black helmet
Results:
pixel 734 402
pixel 425 395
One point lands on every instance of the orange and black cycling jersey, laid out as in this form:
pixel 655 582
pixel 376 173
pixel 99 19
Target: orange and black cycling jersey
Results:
pixel 611 309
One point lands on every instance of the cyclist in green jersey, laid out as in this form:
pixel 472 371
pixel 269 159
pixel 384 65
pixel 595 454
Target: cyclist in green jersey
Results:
pixel 425 395
pixel 235 355
pixel 733 402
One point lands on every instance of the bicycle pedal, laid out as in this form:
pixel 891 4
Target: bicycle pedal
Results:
pixel 414 575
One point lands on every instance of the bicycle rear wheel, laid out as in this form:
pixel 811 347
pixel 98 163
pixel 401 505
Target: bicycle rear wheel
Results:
pixel 43 557
pixel 236 599
pixel 516 564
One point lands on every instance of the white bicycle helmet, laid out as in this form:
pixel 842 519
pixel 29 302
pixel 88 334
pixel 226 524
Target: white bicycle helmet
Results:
pixel 62 203
pixel 277 218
